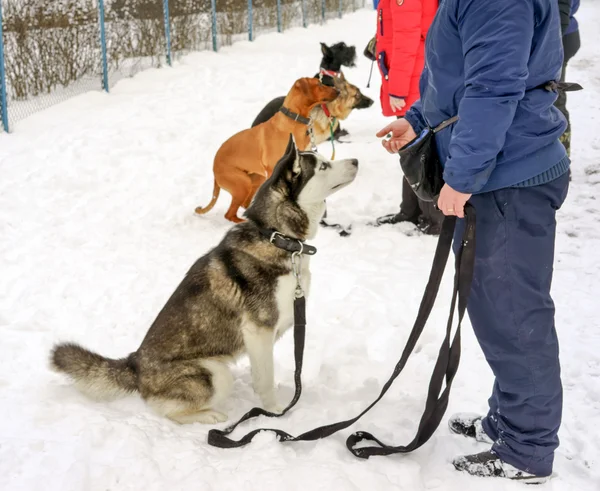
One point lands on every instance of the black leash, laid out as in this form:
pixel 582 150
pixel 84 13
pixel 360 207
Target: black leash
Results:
pixel 445 367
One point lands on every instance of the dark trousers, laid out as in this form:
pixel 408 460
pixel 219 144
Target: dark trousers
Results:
pixel 571 44
pixel 512 314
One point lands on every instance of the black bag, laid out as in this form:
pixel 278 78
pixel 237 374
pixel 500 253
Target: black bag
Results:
pixel 370 50
pixel 421 164
pixel 420 161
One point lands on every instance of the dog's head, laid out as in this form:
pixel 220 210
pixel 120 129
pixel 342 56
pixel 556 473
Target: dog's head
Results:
pixel 308 92
pixel 292 200
pixel 355 98
pixel 337 55
pixel 361 101
pixel 350 98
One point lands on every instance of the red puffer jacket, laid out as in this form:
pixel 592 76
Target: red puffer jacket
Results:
pixel 402 26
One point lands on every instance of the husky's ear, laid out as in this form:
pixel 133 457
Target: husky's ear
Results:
pixel 291 146
pixel 291 155
pixel 325 49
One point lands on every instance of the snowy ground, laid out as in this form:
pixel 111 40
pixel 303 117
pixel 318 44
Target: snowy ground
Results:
pixel 97 228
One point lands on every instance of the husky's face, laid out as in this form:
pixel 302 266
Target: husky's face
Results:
pixel 319 178
pixel 293 198
pixel 307 177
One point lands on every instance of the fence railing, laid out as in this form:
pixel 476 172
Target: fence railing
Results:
pixel 50 51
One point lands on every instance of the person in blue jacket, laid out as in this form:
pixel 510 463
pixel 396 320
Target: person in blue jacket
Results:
pixel 490 63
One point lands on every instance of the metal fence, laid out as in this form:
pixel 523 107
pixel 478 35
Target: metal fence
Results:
pixel 50 51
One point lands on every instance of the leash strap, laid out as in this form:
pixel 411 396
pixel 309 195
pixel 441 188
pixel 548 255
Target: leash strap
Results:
pixel 551 86
pixel 445 124
pixel 332 121
pixel 219 438
pixel 445 367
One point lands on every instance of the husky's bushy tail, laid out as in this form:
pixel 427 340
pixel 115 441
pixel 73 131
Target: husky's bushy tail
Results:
pixel 96 376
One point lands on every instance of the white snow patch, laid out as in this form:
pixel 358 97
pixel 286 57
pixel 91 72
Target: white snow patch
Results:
pixel 97 228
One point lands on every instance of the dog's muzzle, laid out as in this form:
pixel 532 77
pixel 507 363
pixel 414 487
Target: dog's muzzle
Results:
pixel 364 102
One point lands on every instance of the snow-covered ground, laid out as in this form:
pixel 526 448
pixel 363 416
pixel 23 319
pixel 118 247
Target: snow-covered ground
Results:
pixel 97 228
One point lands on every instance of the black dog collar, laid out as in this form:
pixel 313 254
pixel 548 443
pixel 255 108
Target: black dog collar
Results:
pixel 287 243
pixel 294 116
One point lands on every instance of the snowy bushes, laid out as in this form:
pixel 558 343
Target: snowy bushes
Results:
pixel 52 45
pixel 46 47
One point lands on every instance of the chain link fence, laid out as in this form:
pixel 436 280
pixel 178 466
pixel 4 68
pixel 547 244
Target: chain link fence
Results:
pixel 51 51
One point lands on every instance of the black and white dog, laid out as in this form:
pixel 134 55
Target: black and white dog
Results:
pixel 237 299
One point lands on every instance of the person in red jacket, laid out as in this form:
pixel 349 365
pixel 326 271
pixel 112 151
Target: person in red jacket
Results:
pixel 402 27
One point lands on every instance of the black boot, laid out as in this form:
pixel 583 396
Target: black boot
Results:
pixel 394 218
pixel 488 464
pixel 469 425
pixel 409 208
pixel 427 227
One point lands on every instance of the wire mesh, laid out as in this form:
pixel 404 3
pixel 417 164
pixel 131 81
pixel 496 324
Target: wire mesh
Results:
pixel 53 49
pixel 52 53
pixel 135 37
pixel 190 26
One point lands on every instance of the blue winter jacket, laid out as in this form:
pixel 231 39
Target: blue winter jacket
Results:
pixel 484 60
pixel 573 25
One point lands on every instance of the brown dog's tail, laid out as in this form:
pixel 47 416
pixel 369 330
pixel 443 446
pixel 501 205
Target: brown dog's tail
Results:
pixel 96 376
pixel 206 209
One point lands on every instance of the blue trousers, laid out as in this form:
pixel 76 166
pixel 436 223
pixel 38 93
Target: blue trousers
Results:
pixel 512 314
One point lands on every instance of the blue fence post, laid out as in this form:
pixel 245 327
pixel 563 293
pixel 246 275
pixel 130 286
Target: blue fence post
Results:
pixel 3 99
pixel 167 30
pixel 250 34
pixel 278 15
pixel 340 7
pixel 102 45
pixel 323 10
pixel 303 13
pixel 213 8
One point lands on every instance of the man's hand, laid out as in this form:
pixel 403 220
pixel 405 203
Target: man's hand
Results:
pixel 452 202
pixel 402 133
pixel 397 103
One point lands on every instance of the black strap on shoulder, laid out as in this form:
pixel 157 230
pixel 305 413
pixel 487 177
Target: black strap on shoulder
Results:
pixel 294 116
pixel 550 86
pixel 445 124
pixel 554 86
pixel 444 371
pixel 287 243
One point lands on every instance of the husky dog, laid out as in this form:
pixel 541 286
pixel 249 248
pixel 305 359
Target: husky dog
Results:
pixel 236 299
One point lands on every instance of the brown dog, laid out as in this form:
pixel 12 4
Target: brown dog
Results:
pixel 247 159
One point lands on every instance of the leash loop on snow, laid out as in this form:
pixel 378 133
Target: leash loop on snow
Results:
pixel 443 372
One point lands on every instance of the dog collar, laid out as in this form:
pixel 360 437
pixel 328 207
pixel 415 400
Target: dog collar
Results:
pixel 286 243
pixel 294 116
pixel 326 110
pixel 331 73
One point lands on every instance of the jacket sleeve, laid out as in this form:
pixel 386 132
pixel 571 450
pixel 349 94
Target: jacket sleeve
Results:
pixel 406 21
pixel 496 38
pixel 428 13
pixel 564 7
pixel 415 114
